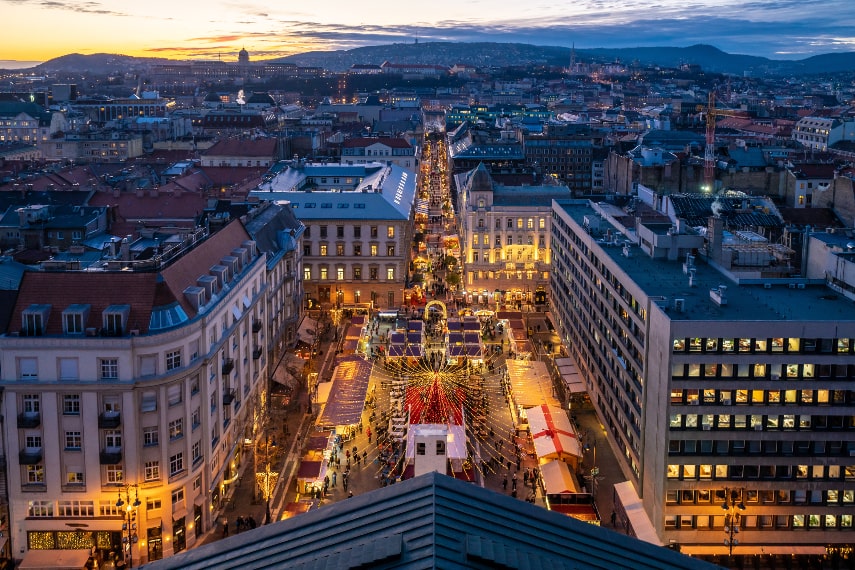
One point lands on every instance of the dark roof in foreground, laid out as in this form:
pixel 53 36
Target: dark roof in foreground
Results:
pixel 431 521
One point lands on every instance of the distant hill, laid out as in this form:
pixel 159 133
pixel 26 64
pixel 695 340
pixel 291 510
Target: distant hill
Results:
pixel 493 54
pixel 482 54
pixel 101 63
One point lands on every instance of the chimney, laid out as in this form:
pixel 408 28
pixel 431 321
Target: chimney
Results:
pixel 125 249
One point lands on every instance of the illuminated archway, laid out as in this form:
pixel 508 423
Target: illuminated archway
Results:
pixel 441 304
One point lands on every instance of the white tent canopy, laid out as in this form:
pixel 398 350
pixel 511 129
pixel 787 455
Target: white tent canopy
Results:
pixel 553 435
pixel 557 478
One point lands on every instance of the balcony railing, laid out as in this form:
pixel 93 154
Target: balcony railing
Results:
pixel 29 420
pixel 109 420
pixel 228 397
pixel 228 365
pixel 30 456
pixel 256 353
pixel 111 456
pixel 256 326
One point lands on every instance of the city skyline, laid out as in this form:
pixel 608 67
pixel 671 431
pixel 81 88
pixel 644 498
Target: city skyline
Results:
pixel 778 29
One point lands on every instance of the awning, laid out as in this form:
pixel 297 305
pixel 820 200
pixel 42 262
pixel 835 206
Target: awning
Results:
pixel 55 559
pixel 307 330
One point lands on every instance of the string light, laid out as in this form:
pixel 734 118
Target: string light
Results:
pixel 463 389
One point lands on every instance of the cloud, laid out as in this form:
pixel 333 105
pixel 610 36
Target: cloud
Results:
pixel 80 7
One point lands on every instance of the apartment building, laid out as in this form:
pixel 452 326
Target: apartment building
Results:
pixel 139 382
pixel 504 234
pixel 386 150
pixel 723 383
pixel 358 238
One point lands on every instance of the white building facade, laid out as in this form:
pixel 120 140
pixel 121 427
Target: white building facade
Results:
pixel 133 384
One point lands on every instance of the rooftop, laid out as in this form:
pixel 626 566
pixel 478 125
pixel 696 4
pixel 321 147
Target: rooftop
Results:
pixel 666 279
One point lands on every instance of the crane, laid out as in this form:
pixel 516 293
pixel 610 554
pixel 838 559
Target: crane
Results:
pixel 709 151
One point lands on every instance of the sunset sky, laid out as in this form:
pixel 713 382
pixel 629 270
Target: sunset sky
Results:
pixel 38 30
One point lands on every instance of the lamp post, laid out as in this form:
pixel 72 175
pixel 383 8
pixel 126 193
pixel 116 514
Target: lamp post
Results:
pixel 267 479
pixel 733 507
pixel 129 526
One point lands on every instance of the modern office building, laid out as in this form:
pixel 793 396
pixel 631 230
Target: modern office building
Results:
pixel 130 391
pixel 722 375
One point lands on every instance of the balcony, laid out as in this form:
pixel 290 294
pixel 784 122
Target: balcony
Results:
pixel 29 420
pixel 30 456
pixel 228 397
pixel 111 456
pixel 228 365
pixel 256 326
pixel 256 353
pixel 109 420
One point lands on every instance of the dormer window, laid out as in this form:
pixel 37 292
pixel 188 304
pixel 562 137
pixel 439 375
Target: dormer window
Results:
pixel 115 319
pixel 35 319
pixel 74 319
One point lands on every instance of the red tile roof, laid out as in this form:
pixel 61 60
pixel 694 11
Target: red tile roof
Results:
pixel 98 290
pixel 243 147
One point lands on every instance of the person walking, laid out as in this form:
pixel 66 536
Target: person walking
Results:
pixel 334 478
pixel 505 483
pixel 225 527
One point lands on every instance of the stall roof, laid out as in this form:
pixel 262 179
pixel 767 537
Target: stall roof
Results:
pixel 557 478
pixel 398 338
pixel 641 524
pixel 414 351
pixel 414 337
pixel 553 434
pixel 471 338
pixel 473 351
pixel 318 441
pixel 347 395
pixel 353 332
pixel 415 326
pixel 456 350
pixel 530 382
pixel 309 469
pixel 455 338
pixel 395 351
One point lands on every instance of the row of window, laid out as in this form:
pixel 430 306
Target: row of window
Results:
pixel 113 474
pixel 709 471
pixel 373 232
pixel 484 240
pixel 105 507
pixel 765 345
pixel 509 223
pixel 759 422
pixel 813 448
pixel 356 271
pixel 761 522
pixel 766 497
pixel 744 397
pixel 762 371
pixel 356 250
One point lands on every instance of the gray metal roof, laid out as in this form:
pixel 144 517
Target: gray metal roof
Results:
pixel 660 277
pixel 431 521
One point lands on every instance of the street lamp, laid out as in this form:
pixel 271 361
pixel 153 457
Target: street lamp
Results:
pixel 267 479
pixel 129 527
pixel 733 507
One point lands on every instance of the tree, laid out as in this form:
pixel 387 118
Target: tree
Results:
pixel 453 279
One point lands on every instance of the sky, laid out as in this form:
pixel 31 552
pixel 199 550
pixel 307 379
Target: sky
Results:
pixel 191 29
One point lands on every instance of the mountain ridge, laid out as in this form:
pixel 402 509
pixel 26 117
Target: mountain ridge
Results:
pixel 499 54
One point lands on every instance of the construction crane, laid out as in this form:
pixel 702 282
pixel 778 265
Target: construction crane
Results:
pixel 709 152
